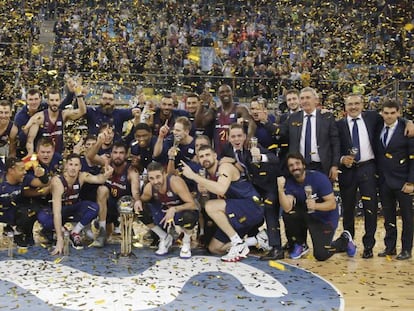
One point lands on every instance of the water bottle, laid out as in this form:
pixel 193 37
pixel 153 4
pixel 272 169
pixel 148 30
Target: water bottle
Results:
pixel 66 243
pixel 204 193
pixel 10 243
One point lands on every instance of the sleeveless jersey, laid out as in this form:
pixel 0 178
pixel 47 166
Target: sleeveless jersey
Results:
pixel 4 137
pixel 221 130
pixel 169 198
pixel 118 184
pixel 71 193
pixel 53 130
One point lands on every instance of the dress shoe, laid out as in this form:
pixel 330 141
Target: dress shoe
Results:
pixel 367 253
pixel 387 252
pixel 273 254
pixel 404 255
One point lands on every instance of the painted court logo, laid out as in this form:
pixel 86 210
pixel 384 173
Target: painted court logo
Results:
pixel 95 280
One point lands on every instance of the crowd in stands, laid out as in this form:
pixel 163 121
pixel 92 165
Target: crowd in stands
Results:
pixel 263 47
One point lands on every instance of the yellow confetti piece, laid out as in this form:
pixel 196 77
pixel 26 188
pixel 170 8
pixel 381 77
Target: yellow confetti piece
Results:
pixel 267 201
pixel 411 156
pixel 243 219
pixel 22 250
pixel 388 155
pixel 58 260
pixel 153 287
pixel 263 173
pixel 365 198
pixel 275 264
pixel 100 302
pixel 388 257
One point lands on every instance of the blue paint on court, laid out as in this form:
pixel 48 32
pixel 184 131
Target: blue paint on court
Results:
pixel 205 291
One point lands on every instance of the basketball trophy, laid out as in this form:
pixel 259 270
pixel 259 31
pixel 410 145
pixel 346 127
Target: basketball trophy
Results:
pixel 126 213
pixel 308 191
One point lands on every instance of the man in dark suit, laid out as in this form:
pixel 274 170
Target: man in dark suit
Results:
pixel 359 130
pixel 261 167
pixel 314 135
pixel 395 160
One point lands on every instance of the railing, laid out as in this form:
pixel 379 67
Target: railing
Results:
pixel 402 90
pixel 125 85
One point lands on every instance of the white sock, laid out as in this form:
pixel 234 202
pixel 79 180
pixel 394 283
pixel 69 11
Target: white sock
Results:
pixel 201 231
pixel 78 228
pixel 235 239
pixel 102 224
pixel 158 231
pixel 251 241
pixel 186 238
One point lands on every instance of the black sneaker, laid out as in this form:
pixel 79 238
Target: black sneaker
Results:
pixel 30 240
pixel 20 240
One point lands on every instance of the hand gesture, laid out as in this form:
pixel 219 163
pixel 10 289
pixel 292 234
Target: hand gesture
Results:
pixel 168 219
pixel 39 171
pixel 281 182
pixel 109 170
pixel 187 171
pixel 164 130
pixel 136 112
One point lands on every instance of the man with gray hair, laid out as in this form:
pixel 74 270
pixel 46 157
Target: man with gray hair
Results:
pixel 314 135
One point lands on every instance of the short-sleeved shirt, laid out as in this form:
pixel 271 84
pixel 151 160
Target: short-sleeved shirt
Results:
pixel 321 186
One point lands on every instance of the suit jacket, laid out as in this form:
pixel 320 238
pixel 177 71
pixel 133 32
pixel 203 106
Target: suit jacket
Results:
pixel 326 135
pixel 262 175
pixel 373 122
pixel 395 162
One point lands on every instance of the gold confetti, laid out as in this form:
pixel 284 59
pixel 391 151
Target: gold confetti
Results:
pixel 275 264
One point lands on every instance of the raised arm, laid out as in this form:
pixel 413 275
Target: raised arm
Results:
pixel 227 173
pixel 92 153
pixel 34 129
pixel 74 114
pixel 203 117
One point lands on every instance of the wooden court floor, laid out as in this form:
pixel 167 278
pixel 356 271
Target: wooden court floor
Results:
pixel 367 284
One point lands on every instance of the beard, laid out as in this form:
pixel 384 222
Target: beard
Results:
pixel 107 108
pixel 118 162
pixel 207 164
pixel 297 173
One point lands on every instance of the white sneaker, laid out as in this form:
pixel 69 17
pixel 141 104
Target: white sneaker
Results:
pixel 117 230
pixel 263 241
pixel 236 253
pixel 185 251
pixel 164 245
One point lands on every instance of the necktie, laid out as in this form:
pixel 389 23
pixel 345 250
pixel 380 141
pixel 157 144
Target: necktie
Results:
pixel 239 158
pixel 308 133
pixel 384 140
pixel 355 139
